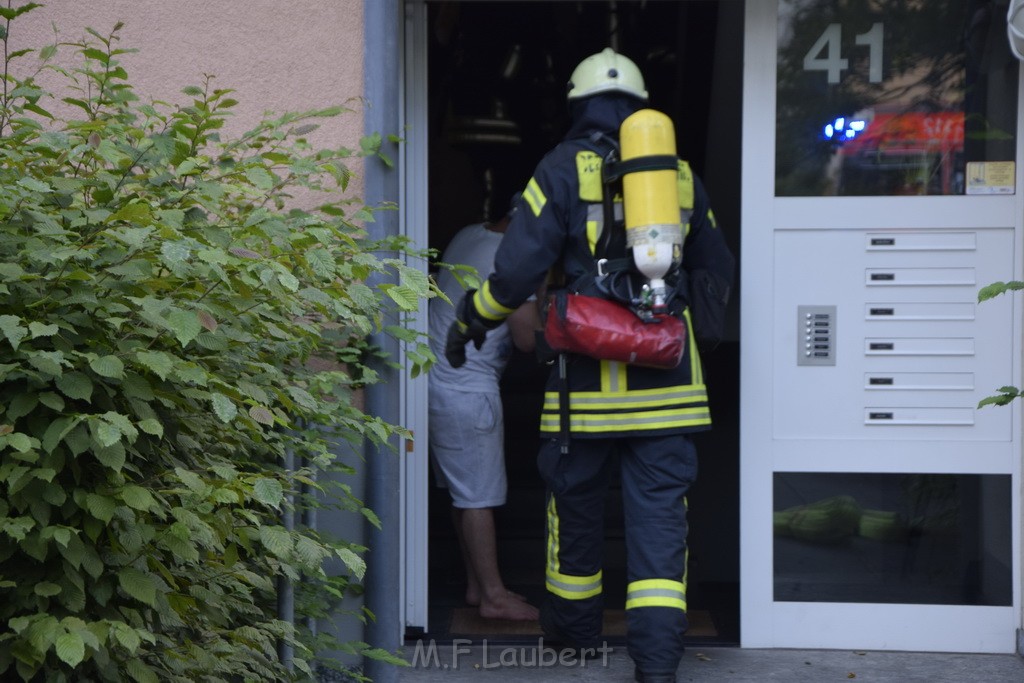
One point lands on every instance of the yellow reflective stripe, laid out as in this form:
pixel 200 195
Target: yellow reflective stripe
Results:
pixel 657 601
pixel 696 368
pixel 686 556
pixel 592 235
pixel 487 306
pixel 534 197
pixel 573 587
pixel 656 593
pixel 636 398
pixel 616 422
pixel 712 219
pixel 588 171
pixel 684 184
pixel 613 377
pixel 552 564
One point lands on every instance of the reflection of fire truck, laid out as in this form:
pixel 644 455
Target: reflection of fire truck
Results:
pixel 909 153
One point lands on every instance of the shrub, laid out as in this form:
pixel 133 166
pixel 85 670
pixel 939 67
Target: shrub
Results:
pixel 1007 393
pixel 173 327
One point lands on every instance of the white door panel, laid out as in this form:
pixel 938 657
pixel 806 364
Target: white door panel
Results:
pixel 881 504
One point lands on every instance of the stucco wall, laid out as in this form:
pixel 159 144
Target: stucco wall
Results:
pixel 277 56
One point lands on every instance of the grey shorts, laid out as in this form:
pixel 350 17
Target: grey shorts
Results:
pixel 467 435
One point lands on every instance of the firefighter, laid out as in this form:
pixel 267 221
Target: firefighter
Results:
pixel 598 414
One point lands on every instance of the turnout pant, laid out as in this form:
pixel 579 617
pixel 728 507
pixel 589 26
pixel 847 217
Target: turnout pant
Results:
pixel 656 474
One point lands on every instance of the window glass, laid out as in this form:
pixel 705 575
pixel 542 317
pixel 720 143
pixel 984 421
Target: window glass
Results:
pixel 940 539
pixel 890 97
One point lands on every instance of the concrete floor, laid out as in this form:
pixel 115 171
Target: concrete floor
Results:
pixel 473 661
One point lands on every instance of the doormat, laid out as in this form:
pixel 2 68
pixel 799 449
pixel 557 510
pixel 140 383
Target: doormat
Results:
pixel 466 621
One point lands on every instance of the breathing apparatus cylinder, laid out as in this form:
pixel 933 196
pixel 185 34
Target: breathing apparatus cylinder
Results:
pixel 651 198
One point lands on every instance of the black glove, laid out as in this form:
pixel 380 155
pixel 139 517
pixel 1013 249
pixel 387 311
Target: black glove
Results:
pixel 467 327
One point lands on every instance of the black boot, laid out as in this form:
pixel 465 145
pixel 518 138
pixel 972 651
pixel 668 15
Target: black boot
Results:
pixel 641 677
pixel 591 649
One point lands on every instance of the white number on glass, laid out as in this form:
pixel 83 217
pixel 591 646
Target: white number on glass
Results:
pixel 873 39
pixel 826 53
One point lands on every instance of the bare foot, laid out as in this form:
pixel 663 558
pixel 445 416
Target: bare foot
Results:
pixel 509 608
pixel 473 597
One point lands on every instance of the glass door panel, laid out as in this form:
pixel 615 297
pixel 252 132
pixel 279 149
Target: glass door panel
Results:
pixel 894 98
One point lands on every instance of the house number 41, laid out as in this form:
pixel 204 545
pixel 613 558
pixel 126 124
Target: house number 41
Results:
pixel 826 55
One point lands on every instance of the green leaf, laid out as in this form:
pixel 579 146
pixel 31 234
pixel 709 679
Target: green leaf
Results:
pixel 19 442
pixel 133 213
pixel 268 491
pixel 405 297
pixel 22 405
pixel 12 328
pixel 126 636
pixel 261 415
pixel 40 330
pixel 242 252
pixel 57 430
pixel 224 407
pixel 98 55
pixel 43 633
pixel 134 237
pixel 112 457
pixel 47 362
pixel 75 385
pixel 288 281
pixel 354 563
pixel 16 528
pixel 46 589
pixel 100 507
pixel 416 280
pixel 141 672
pixel 137 497
pixel 321 262
pixel 152 426
pixel 71 649
pixel 104 433
pixel 108 366
pixel 138 585
pixel 52 400
pixel 370 144
pixel 175 252
pixel 190 479
pixel 34 185
pixel 303 397
pixel 277 540
pixel 997 288
pixel 260 177
pixel 157 361
pixel 185 326
pixel 310 552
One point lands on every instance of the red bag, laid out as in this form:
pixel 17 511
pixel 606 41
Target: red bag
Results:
pixel 607 330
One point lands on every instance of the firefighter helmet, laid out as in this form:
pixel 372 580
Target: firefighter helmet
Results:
pixel 606 71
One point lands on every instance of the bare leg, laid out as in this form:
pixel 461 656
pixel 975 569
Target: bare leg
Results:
pixel 472 583
pixel 475 528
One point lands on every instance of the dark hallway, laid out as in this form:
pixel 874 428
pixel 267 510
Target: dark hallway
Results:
pixel 497 104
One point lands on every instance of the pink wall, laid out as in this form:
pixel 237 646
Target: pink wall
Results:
pixel 277 55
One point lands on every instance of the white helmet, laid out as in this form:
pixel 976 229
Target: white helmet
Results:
pixel 607 71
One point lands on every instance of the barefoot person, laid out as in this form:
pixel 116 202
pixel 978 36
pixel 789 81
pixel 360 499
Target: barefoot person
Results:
pixel 467 430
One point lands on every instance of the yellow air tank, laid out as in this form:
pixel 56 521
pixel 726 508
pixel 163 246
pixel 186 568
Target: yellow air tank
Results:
pixel 651 197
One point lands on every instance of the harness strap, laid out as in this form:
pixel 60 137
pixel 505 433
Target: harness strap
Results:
pixel 654 162
pixel 563 402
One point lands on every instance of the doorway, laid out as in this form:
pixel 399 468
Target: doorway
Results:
pixel 495 104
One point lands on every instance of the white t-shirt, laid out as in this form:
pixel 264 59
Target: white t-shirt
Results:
pixel 474 246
